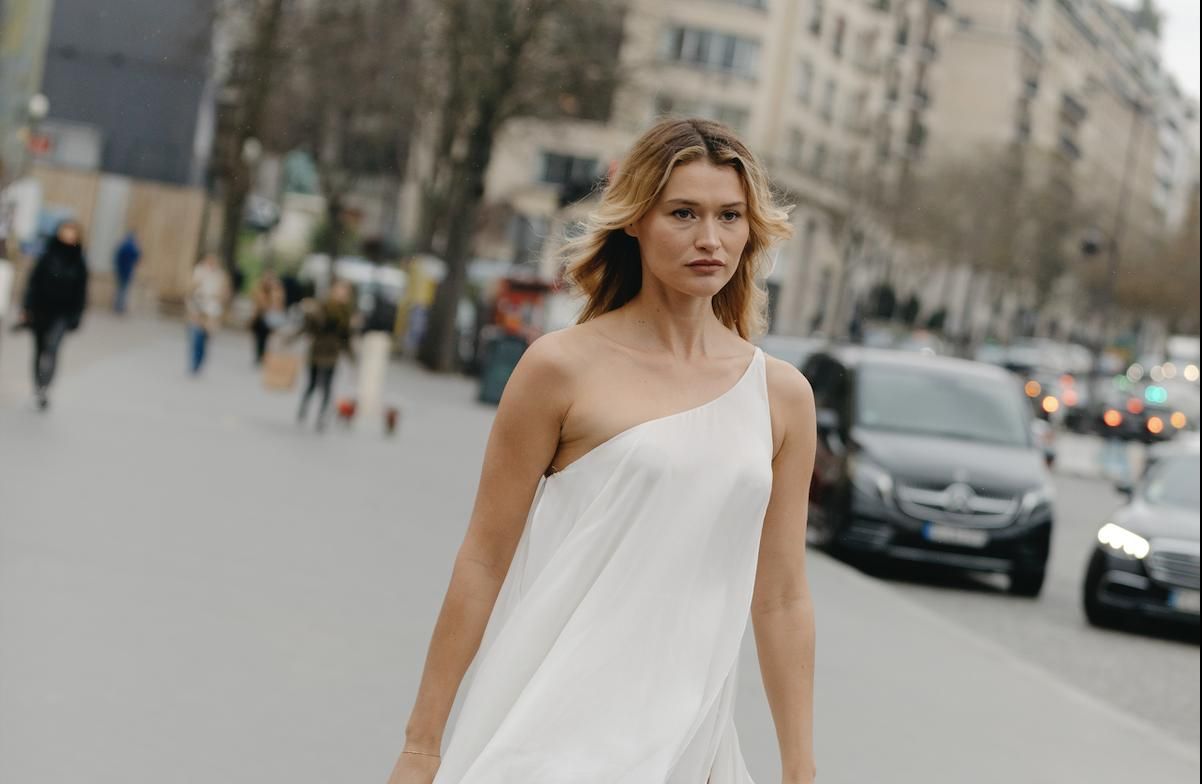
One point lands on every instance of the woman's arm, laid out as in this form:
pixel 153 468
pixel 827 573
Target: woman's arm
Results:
pixel 781 612
pixel 523 440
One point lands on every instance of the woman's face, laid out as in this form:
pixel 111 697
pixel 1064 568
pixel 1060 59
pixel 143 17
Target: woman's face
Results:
pixel 68 234
pixel 694 236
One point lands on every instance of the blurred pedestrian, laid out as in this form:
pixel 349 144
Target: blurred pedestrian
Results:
pixel 376 346
pixel 269 302
pixel 125 259
pixel 562 597
pixel 328 325
pixel 55 298
pixel 208 295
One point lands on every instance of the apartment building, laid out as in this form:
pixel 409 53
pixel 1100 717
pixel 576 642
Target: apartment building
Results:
pixel 845 100
pixel 802 80
pixel 1075 90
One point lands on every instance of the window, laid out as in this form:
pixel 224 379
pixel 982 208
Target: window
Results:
pixel 857 111
pixel 805 82
pixel 736 117
pixel 816 11
pixel 865 54
pixel 916 137
pixel 939 403
pixel 568 169
pixel 712 50
pixel 732 116
pixel 840 34
pixel 1071 110
pixel 1069 148
pixel 828 101
pixel 818 161
pixel 903 31
pixel 796 148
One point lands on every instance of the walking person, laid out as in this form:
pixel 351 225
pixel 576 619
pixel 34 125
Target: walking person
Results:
pixel 379 322
pixel 328 325
pixel 208 295
pixel 125 260
pixel 268 299
pixel 54 302
pixel 644 493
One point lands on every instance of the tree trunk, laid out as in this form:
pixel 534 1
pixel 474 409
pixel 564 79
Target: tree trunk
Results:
pixel 255 90
pixel 438 349
pixel 236 189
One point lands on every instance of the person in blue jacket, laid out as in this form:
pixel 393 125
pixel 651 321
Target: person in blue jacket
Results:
pixel 125 259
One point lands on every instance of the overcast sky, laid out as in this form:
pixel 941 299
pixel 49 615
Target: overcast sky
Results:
pixel 1179 40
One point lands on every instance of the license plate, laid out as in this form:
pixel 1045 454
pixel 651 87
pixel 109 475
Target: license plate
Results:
pixel 1184 601
pixel 964 537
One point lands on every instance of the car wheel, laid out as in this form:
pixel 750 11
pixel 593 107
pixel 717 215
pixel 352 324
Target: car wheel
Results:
pixel 1027 581
pixel 1097 613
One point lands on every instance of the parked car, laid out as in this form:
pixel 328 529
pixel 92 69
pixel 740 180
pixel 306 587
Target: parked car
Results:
pixel 931 460
pixel 1145 561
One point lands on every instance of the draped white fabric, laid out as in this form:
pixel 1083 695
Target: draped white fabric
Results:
pixel 611 654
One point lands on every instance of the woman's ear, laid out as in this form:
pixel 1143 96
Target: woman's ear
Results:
pixel 631 230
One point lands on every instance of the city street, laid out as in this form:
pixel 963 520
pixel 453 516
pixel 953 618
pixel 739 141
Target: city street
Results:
pixel 195 588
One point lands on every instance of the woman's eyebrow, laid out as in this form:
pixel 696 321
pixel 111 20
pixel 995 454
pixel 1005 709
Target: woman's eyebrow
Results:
pixel 691 203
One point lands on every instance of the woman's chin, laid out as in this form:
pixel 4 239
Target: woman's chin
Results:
pixel 704 287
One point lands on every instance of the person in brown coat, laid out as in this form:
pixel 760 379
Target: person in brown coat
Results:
pixel 268 298
pixel 328 325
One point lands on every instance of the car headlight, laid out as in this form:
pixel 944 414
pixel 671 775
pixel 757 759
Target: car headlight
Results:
pixel 1123 542
pixel 870 479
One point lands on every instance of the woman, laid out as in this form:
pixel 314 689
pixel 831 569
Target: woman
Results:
pixel 643 493
pixel 208 296
pixel 329 325
pixel 54 302
pixel 268 298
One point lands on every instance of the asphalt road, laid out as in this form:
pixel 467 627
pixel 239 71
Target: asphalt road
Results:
pixel 193 588
pixel 1147 671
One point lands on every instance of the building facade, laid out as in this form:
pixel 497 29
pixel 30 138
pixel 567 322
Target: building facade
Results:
pixel 848 102
pixel 130 87
pixel 24 28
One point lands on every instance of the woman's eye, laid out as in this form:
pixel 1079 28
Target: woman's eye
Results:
pixel 683 213
pixel 731 215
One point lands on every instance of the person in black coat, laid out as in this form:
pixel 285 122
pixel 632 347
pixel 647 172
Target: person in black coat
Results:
pixel 54 301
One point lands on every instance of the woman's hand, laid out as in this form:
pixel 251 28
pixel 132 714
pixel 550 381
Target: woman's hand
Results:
pixel 414 769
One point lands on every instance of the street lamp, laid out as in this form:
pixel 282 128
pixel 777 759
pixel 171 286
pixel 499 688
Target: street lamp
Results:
pixel 35 111
pixel 38 108
pixel 1094 241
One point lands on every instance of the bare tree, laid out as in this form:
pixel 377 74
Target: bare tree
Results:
pixel 498 61
pixel 248 84
pixel 348 95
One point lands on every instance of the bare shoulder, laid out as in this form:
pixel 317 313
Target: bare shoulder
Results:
pixel 789 391
pixel 551 366
pixel 791 402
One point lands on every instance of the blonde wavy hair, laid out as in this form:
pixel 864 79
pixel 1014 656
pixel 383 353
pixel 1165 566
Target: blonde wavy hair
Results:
pixel 604 263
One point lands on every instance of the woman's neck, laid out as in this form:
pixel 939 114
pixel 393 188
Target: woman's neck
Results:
pixel 673 322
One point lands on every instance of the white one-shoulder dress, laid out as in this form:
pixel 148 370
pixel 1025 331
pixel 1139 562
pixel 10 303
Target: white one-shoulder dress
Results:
pixel 611 654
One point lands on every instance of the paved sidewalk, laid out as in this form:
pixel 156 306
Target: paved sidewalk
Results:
pixel 195 589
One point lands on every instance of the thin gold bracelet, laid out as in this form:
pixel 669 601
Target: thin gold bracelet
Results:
pixel 424 754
